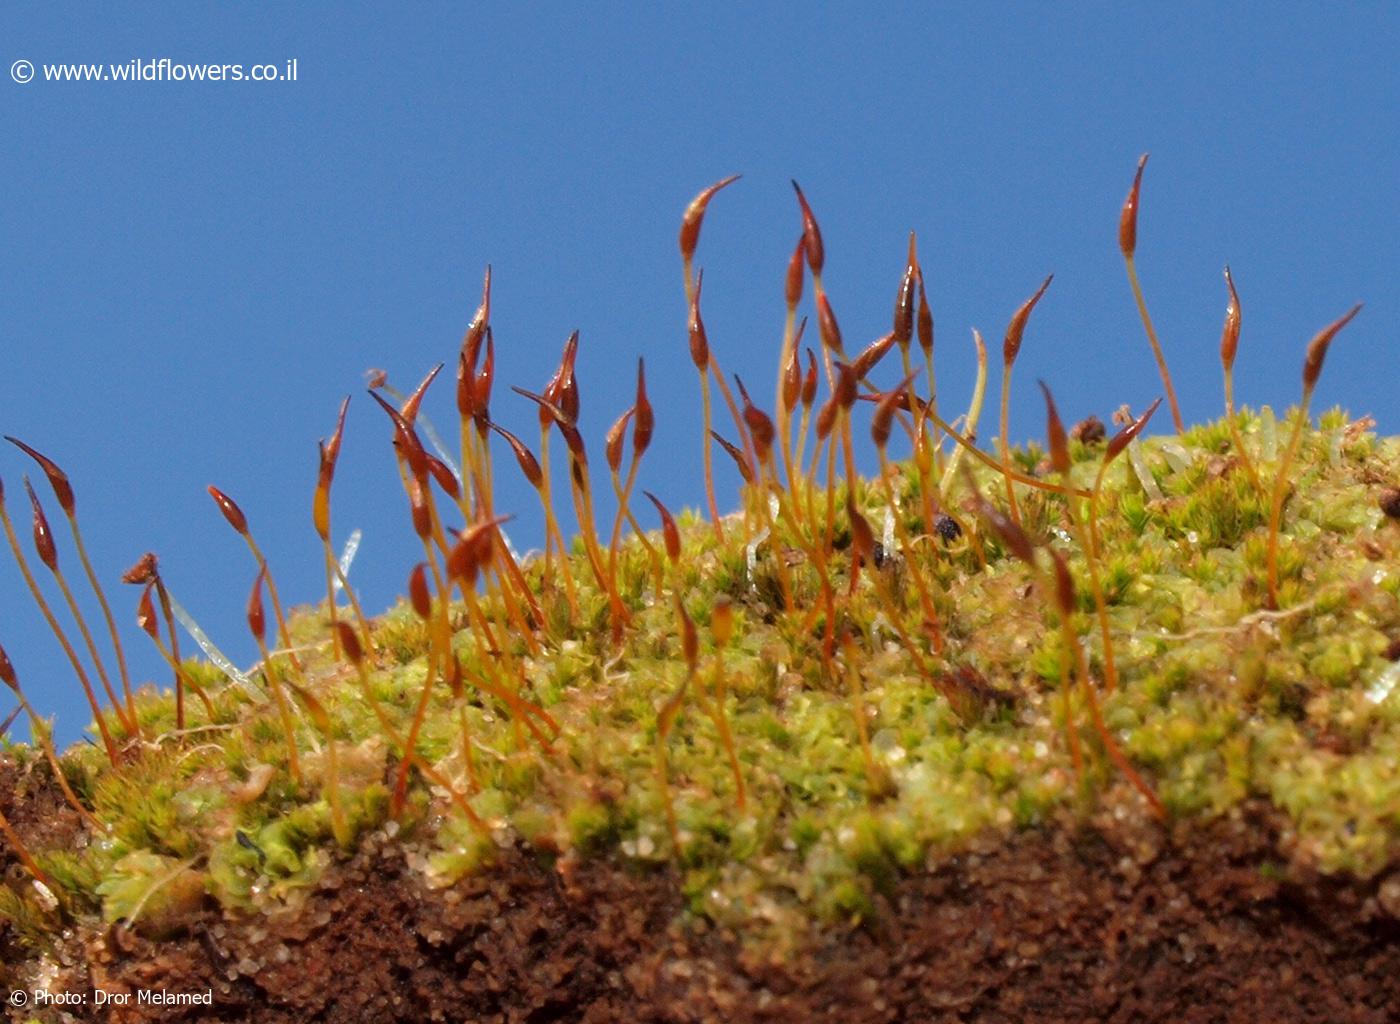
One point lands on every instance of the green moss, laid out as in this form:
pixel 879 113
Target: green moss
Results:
pixel 1220 700
pixel 151 891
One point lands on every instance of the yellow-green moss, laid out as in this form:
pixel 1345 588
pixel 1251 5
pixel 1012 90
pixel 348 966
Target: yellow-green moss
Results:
pixel 1221 700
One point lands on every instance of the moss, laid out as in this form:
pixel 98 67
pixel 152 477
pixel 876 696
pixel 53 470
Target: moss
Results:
pixel 151 892
pixel 1220 699
pixel 461 851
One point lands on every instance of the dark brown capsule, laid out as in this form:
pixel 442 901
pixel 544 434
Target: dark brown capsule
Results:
pixel 230 508
pixel 793 290
pixel 556 383
pixel 446 479
pixel 7 671
pixel 405 440
pixel 418 508
pixel 847 385
pixel 573 440
pixel 314 708
pixel 418 594
pixel 925 321
pixel 862 536
pixel 146 612
pixel 616 437
pixel 455 677
pixel 465 388
pixel 644 417
pixel 826 418
pixel 1055 435
pixel 690 640
pixel 905 299
pixel 58 480
pixel 1015 330
pixel 473 549
pixel 482 536
pixel 1012 537
pixel 481 388
pixel 829 329
pixel 900 400
pixel 871 355
pixel 1317 348
pixel 670 535
pixel 1127 220
pixel 760 425
pixel 1230 334
pixel 792 372
pixel 476 330
pixel 257 621
pixel 809 382
pixel 699 341
pixel 529 465
pixel 549 411
pixel 1064 585
pixel 43 537
pixel 883 420
pixel 462 565
pixel 569 400
pixel 551 389
pixel 694 216
pixel 1125 436
pixel 745 470
pixel 811 234
pixel 349 642
pixel 791 389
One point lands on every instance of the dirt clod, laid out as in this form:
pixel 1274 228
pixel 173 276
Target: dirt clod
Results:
pixel 1089 430
pixel 1070 923
pixel 1390 502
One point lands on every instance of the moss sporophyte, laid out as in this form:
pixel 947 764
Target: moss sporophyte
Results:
pixel 840 682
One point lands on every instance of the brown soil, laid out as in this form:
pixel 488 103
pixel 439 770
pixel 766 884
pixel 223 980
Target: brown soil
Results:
pixel 1081 923
pixel 34 805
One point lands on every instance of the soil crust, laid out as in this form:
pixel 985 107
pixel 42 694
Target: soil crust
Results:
pixel 1086 922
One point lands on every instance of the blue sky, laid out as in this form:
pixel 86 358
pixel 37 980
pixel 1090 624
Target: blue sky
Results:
pixel 195 274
